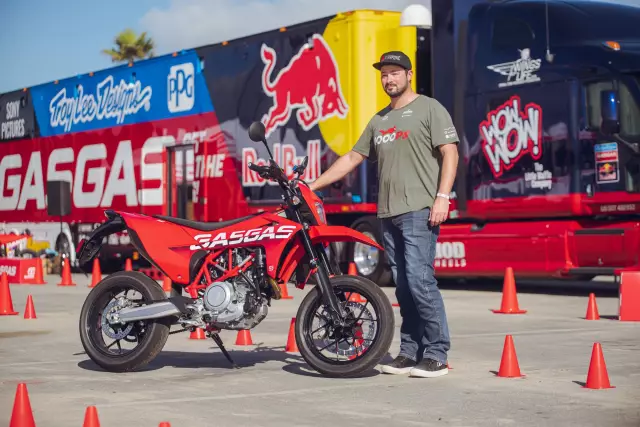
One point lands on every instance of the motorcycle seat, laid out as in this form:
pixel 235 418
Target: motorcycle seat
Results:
pixel 202 226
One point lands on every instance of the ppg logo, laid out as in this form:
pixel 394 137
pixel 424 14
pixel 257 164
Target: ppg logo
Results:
pixel 181 88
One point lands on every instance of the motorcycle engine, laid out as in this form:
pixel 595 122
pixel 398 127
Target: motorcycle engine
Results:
pixel 233 305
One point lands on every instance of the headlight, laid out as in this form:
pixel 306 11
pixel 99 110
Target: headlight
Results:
pixel 320 211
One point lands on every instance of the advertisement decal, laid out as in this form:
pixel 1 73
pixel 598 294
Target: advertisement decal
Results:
pixel 17 120
pixel 152 90
pixel 607 166
pixel 510 132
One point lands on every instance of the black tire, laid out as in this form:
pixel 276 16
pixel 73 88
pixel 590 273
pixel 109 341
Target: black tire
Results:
pixel 157 330
pixel 382 273
pixel 381 341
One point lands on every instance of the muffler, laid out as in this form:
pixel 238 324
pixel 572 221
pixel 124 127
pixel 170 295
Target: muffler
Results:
pixel 151 311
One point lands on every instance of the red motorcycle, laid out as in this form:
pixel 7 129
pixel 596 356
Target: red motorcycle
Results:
pixel 232 270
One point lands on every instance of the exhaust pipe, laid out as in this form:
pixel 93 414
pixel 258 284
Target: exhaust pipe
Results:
pixel 151 311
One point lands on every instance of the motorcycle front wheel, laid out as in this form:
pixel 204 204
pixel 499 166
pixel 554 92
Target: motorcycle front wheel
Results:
pixel 356 347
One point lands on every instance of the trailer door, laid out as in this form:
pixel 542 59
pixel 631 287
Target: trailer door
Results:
pixel 180 177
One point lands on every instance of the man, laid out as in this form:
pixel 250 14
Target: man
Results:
pixel 415 144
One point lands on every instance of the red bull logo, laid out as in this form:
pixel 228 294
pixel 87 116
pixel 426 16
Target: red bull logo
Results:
pixel 309 84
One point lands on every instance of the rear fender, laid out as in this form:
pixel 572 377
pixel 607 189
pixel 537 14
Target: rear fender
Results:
pixel 339 233
pixel 88 248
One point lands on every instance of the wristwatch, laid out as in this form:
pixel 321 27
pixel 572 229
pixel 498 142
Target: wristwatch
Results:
pixel 446 196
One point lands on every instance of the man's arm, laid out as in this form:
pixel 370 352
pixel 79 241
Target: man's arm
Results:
pixel 445 138
pixel 338 170
pixel 449 167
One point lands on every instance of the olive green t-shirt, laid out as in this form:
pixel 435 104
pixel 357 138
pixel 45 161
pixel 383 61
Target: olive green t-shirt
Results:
pixel 404 142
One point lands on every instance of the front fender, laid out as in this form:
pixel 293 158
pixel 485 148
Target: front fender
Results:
pixel 339 233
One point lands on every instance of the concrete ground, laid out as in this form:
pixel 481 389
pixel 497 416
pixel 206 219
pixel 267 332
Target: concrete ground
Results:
pixel 190 383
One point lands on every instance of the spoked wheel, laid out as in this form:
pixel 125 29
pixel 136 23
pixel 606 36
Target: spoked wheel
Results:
pixel 115 346
pixel 356 347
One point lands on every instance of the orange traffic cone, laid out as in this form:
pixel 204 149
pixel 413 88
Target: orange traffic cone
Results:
pixel 66 274
pixel 127 265
pixel 592 308
pixel 96 274
pixel 166 284
pixel 164 424
pixel 291 346
pixel 29 311
pixel 509 296
pixel 285 292
pixel 509 366
pixel 22 415
pixel 197 334
pixel 39 279
pixel 355 297
pixel 353 271
pixel 91 417
pixel 597 377
pixel 244 337
pixel 6 303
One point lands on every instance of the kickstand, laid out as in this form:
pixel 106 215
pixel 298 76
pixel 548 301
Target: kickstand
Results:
pixel 218 340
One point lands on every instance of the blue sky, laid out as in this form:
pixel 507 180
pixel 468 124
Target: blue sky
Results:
pixel 71 35
pixel 45 40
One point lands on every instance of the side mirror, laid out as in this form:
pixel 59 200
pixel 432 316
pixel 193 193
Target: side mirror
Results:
pixel 257 132
pixel 610 112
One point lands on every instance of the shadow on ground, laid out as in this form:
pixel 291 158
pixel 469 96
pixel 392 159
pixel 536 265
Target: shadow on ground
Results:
pixel 293 363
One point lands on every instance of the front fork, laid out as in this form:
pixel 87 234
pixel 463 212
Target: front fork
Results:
pixel 319 263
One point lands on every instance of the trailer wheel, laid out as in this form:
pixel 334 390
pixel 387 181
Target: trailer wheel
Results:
pixel 370 262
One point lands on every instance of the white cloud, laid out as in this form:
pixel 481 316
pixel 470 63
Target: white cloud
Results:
pixel 192 23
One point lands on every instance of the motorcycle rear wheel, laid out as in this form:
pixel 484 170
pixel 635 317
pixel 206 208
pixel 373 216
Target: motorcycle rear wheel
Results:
pixel 355 362
pixel 150 335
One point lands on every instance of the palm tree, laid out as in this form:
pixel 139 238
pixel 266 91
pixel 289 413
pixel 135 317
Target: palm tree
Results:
pixel 130 47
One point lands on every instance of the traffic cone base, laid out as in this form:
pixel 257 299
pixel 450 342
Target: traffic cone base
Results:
pixel 91 417
pixel 597 377
pixel 22 415
pixel 6 303
pixel 244 337
pixel 29 310
pixel 509 296
pixel 509 367
pixel 292 346
pixel 284 292
pixel 592 308
pixel 198 334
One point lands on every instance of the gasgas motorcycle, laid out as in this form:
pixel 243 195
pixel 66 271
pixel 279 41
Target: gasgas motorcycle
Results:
pixel 231 271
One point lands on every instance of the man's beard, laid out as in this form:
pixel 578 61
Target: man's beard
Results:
pixel 398 93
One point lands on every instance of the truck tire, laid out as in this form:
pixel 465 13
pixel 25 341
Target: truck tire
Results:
pixel 370 262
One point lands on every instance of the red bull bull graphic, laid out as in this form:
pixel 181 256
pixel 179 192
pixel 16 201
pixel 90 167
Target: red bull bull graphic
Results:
pixel 310 84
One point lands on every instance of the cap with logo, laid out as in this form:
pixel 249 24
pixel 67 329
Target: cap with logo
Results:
pixel 394 57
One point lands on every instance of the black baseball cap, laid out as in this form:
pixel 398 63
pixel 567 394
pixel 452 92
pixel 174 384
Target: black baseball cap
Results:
pixel 394 57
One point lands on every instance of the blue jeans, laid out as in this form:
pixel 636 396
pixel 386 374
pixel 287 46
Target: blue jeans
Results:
pixel 410 247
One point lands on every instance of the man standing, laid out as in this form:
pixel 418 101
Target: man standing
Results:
pixel 415 144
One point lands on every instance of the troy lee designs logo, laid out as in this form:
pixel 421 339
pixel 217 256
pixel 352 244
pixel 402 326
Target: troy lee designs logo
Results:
pixel 309 83
pixel 390 135
pixel 508 134
pixel 110 102
pixel 235 237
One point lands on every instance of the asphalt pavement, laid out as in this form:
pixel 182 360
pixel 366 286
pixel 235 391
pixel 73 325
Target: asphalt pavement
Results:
pixel 191 383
